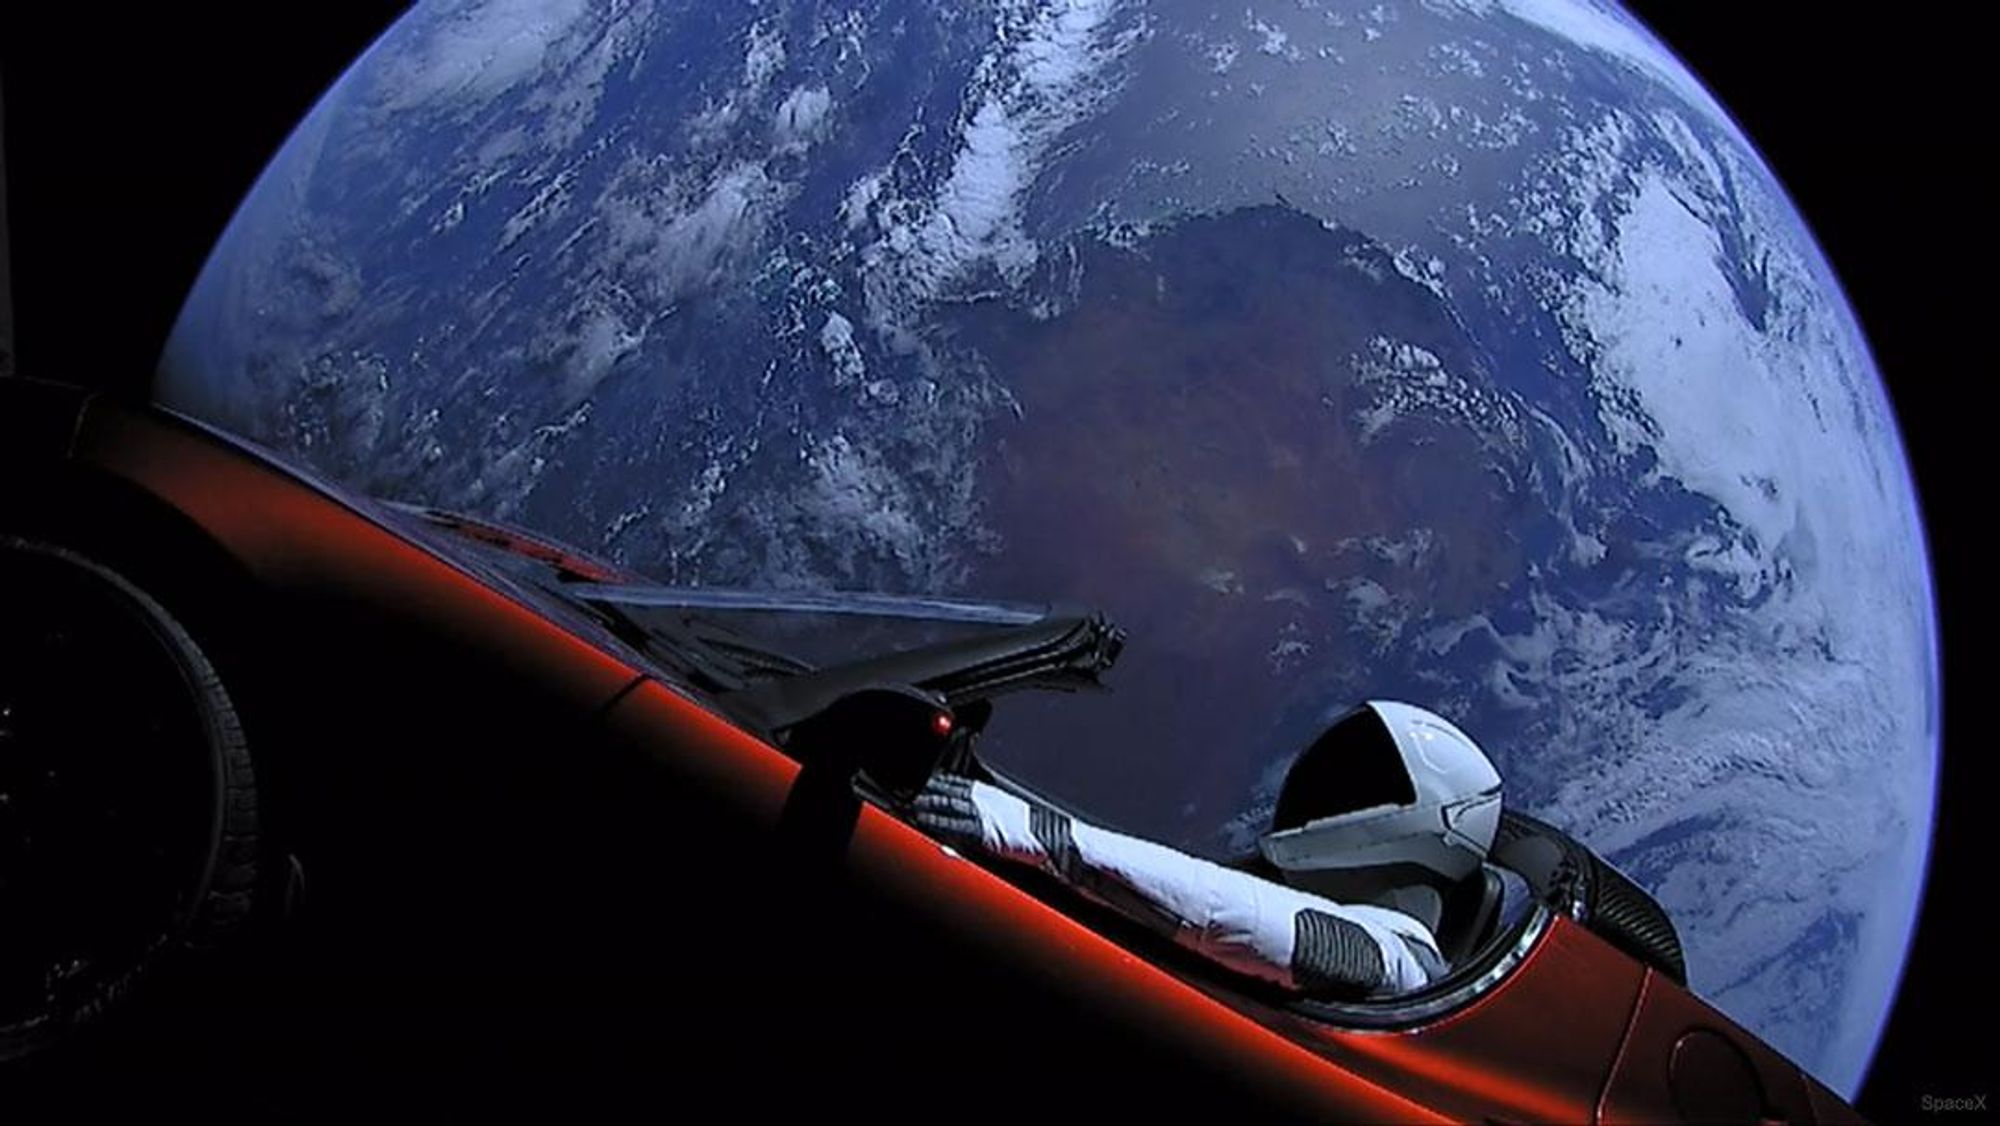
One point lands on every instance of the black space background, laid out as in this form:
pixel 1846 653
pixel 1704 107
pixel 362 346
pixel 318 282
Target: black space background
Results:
pixel 131 135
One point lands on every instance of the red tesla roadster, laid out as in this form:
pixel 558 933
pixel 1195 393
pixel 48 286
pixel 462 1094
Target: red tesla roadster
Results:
pixel 295 782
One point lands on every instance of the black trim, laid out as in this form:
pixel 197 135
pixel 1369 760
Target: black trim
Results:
pixel 1573 879
pixel 867 604
pixel 1052 832
pixel 1063 653
pixel 1471 912
pixel 945 807
pixel 819 817
pixel 1332 954
pixel 1634 921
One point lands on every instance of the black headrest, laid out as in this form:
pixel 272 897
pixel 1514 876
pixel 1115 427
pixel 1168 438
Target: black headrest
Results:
pixel 1471 912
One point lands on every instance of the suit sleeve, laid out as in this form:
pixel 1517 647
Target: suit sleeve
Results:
pixel 1253 926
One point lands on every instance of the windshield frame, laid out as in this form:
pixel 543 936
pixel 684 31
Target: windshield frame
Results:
pixel 759 687
pixel 857 603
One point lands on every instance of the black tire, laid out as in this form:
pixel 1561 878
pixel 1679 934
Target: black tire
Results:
pixel 128 805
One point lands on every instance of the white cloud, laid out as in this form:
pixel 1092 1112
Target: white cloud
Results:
pixel 1051 71
pixel 478 51
pixel 1608 31
pixel 801 117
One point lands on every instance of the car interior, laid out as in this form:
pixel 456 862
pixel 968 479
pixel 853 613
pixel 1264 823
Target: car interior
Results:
pixel 1489 924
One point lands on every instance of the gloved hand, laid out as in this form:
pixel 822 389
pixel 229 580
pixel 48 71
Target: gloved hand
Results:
pixel 975 816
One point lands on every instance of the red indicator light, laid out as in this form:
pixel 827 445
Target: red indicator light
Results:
pixel 941 723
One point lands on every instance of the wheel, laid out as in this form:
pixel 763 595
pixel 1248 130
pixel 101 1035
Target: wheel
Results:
pixel 128 809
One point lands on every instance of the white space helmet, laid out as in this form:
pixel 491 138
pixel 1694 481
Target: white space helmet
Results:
pixel 1391 795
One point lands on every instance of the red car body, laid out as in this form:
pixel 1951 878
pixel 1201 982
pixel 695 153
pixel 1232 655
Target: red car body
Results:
pixel 525 852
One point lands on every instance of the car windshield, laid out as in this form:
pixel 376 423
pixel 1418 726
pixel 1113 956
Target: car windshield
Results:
pixel 1104 740
pixel 771 658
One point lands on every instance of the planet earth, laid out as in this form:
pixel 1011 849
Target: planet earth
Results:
pixel 1465 353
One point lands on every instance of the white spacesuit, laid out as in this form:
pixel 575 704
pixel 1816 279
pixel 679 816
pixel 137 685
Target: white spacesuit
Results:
pixel 1376 821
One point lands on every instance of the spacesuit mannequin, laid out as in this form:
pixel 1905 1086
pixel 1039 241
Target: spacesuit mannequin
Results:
pixel 1375 822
